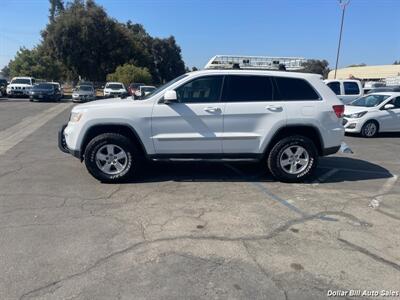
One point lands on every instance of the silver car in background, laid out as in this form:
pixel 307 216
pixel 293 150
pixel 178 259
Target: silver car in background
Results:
pixel 83 93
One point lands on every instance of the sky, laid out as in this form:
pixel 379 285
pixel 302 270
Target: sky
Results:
pixel 204 28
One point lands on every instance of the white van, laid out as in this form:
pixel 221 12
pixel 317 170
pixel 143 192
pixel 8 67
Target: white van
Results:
pixel 347 90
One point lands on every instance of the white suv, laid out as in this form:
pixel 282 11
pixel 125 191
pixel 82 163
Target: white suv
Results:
pixel 283 119
pixel 20 86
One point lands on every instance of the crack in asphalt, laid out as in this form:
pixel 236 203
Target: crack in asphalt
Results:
pixel 274 233
pixel 370 254
pixel 263 271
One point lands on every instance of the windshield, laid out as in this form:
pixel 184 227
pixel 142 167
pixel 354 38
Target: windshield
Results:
pixel 43 86
pixel 114 86
pixel 370 100
pixel 163 87
pixel 21 81
pixel 85 88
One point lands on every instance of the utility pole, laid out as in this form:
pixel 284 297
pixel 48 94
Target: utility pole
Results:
pixel 343 4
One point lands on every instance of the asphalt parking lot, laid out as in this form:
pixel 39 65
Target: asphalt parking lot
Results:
pixel 191 230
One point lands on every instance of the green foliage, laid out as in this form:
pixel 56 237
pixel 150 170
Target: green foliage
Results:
pixel 167 59
pixel 82 40
pixel 396 62
pixel 5 72
pixel 129 73
pixel 56 8
pixel 88 42
pixel 35 63
pixel 316 66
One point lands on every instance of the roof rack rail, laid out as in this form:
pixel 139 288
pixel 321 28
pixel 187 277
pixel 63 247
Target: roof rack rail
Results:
pixel 255 62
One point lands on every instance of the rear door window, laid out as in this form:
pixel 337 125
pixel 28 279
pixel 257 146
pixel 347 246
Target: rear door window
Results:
pixel 295 89
pixel 242 88
pixel 351 88
pixel 335 87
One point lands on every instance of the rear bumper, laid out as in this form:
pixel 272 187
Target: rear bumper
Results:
pixel 62 145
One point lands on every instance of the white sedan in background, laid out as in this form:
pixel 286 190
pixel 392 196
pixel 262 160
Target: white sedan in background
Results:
pixel 373 113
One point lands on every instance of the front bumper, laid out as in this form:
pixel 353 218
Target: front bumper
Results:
pixel 62 144
pixel 83 98
pixel 352 125
pixel 43 96
pixel 18 92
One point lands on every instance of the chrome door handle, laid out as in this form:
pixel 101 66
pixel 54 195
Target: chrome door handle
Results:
pixel 274 108
pixel 212 109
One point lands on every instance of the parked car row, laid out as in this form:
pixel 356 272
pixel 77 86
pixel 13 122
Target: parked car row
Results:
pixel 136 90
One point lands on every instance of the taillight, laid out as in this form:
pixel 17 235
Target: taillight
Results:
pixel 339 110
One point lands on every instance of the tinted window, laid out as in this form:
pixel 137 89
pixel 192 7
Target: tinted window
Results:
pixel 247 88
pixel 114 86
pixel 295 89
pixel 396 102
pixel 351 88
pixel 204 89
pixel 44 86
pixel 335 87
pixel 21 81
pixel 85 88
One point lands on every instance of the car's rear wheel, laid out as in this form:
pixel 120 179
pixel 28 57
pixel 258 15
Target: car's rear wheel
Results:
pixel 293 159
pixel 112 157
pixel 370 129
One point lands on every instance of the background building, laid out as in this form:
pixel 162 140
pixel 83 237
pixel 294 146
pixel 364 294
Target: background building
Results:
pixel 367 73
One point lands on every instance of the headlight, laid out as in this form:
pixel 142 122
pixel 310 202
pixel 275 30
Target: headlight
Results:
pixel 356 115
pixel 75 117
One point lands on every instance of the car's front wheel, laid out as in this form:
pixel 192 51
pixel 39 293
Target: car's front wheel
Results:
pixel 112 157
pixel 293 159
pixel 370 129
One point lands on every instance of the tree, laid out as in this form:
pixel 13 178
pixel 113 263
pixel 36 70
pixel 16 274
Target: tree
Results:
pixel 316 66
pixel 396 62
pixel 82 40
pixel 5 72
pixel 56 7
pixel 129 73
pixel 167 59
pixel 35 63
pixel 88 42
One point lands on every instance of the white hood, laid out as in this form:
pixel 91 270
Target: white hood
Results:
pixel 104 103
pixel 349 109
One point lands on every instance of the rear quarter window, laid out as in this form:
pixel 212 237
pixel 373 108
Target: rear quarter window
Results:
pixel 334 86
pixel 295 89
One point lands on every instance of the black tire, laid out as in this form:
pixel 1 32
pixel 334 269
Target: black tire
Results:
pixel 134 157
pixel 277 153
pixel 370 129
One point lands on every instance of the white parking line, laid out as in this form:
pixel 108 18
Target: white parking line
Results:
pixel 17 133
pixel 386 188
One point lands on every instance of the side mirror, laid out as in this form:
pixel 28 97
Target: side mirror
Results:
pixel 388 106
pixel 170 96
